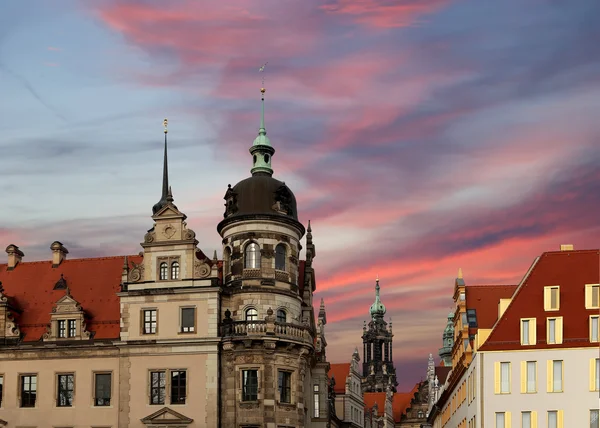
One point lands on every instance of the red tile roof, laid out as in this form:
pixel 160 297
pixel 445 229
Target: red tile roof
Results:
pixel 92 282
pixel 571 270
pixel 442 373
pixel 484 299
pixel 400 402
pixel 340 372
pixel 372 398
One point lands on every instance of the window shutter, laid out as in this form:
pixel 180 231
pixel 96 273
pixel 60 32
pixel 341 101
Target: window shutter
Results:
pixel 559 330
pixel 523 377
pixel 560 418
pixel 593 374
pixel 534 419
pixel 549 376
pixel 532 331
pixel 588 296
pixel 507 419
pixel 546 298
pixel 496 378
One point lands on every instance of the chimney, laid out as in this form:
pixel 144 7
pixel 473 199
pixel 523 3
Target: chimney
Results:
pixel 59 253
pixel 14 256
pixel 566 247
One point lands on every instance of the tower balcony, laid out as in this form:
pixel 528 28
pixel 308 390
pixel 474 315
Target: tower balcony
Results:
pixel 258 329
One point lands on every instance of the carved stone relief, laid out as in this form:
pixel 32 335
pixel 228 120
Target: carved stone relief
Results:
pixel 201 269
pixel 136 273
pixel 169 231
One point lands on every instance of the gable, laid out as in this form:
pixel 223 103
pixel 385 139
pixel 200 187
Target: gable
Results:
pixel 166 417
pixel 571 270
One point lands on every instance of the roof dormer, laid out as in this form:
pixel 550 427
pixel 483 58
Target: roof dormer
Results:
pixel 8 310
pixel 67 320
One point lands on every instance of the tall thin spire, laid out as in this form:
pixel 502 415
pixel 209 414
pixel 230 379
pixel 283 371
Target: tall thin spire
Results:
pixel 166 195
pixel 261 149
pixel 377 308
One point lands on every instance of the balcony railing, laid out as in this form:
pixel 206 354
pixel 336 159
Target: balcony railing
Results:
pixel 262 328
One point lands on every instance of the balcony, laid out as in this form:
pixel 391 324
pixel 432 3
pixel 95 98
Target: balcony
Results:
pixel 247 329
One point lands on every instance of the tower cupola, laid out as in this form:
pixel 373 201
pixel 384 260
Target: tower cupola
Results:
pixel 377 308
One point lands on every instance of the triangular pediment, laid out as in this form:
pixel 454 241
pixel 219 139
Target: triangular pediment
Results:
pixel 166 416
pixel 67 304
pixel 169 211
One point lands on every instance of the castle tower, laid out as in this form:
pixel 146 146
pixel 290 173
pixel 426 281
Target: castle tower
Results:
pixel 445 351
pixel 270 372
pixel 378 364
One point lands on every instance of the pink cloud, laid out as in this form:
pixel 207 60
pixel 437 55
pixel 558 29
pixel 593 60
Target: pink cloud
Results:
pixel 385 13
pixel 53 48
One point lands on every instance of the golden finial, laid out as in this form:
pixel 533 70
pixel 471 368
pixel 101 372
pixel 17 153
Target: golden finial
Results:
pixel 165 123
pixel 262 69
pixel 377 278
pixel 460 274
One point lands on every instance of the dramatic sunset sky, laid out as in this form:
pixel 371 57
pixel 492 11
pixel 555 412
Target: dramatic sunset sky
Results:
pixel 419 136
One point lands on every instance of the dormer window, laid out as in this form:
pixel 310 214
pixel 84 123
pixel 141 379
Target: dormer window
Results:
pixel 164 271
pixel 67 322
pixel 280 254
pixel 175 270
pixel 252 256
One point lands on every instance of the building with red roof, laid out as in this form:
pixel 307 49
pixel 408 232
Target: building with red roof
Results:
pixel 170 337
pixel 526 355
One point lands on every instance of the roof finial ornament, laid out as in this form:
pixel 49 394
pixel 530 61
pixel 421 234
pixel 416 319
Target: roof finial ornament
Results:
pixel 460 275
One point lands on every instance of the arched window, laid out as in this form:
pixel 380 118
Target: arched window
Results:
pixel 227 261
pixel 163 271
pixel 252 256
pixel 280 257
pixel 175 270
pixel 251 314
pixel 281 317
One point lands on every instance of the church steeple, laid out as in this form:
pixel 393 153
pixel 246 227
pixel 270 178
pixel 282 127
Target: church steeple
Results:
pixel 166 189
pixel 377 308
pixel 261 149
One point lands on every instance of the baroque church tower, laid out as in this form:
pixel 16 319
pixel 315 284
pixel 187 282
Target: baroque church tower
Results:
pixel 273 370
pixel 379 374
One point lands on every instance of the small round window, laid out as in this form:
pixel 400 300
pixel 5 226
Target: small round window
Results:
pixel 266 158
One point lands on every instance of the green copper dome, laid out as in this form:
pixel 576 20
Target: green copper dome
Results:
pixel 377 308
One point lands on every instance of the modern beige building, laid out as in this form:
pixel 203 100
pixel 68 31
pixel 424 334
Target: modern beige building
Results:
pixel 169 337
pixel 537 365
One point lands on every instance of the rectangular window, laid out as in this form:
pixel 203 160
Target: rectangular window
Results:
pixel 178 386
pixel 554 330
pixel 594 418
pixel 592 296
pixel 553 419
pixel 1 389
pixel 188 320
pixel 595 374
pixel 72 328
pixel 500 420
pixel 526 420
pixel 285 387
pixel 249 385
pixel 158 386
pixel 62 328
pixel 102 389
pixel 66 387
pixel 531 376
pixel 555 376
pixel 551 298
pixel 594 328
pixel 504 378
pixel 316 401
pixel 28 390
pixel 525 332
pixel 150 321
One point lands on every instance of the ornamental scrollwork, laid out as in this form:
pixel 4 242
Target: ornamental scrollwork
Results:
pixel 201 269
pixel 137 272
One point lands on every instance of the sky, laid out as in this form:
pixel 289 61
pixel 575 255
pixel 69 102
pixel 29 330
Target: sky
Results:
pixel 419 137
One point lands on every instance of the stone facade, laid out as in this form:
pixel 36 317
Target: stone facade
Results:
pixel 170 337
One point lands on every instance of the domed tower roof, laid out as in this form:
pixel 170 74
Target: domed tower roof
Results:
pixel 377 308
pixel 261 195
